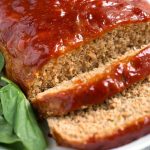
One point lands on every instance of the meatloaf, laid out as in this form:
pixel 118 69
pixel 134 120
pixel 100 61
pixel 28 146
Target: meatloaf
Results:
pixel 48 42
pixel 95 86
pixel 120 120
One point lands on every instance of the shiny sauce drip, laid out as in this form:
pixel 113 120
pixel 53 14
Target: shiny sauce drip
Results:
pixel 35 31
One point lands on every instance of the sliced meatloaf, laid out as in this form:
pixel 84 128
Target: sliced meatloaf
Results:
pixel 95 86
pixel 120 120
pixel 68 38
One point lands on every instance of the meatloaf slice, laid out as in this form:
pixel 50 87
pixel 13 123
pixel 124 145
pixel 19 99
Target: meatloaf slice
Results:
pixel 95 86
pixel 119 121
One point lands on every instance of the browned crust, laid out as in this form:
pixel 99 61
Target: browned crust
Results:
pixel 13 72
pixel 131 132
pixel 115 79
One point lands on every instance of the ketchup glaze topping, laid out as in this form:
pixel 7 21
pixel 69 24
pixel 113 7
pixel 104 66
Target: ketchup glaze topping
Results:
pixel 35 31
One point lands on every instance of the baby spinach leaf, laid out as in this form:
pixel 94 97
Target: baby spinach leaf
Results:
pixel 18 114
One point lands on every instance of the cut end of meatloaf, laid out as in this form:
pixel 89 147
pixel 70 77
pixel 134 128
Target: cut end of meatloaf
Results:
pixel 95 54
pixel 95 86
pixel 120 120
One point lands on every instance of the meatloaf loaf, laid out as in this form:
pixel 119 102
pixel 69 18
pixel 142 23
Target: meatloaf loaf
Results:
pixel 47 42
pixel 118 121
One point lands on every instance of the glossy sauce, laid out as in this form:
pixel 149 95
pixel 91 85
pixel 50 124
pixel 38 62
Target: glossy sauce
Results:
pixel 35 31
pixel 96 90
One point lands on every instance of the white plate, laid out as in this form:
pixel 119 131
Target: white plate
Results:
pixel 141 144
